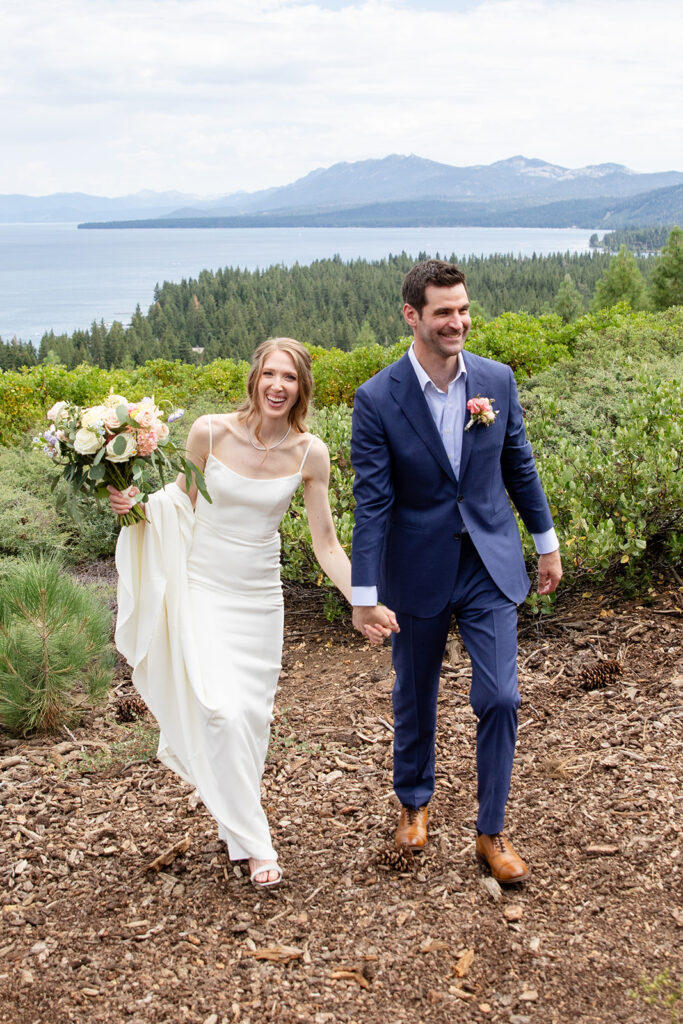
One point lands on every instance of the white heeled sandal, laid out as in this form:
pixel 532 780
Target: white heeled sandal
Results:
pixel 270 865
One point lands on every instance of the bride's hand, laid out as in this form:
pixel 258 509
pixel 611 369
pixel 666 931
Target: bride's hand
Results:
pixel 120 500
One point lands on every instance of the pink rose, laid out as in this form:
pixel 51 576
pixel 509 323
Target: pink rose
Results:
pixel 475 406
pixel 481 411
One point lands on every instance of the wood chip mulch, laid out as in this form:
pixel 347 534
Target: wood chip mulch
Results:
pixel 119 904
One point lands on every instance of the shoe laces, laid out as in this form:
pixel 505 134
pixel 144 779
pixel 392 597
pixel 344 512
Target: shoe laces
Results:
pixel 498 843
pixel 411 815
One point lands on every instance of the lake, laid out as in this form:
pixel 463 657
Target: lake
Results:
pixel 54 277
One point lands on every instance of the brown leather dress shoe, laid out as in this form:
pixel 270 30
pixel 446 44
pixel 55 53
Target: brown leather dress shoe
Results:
pixel 412 828
pixel 506 866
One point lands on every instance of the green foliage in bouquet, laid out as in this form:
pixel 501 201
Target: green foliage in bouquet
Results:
pixel 56 657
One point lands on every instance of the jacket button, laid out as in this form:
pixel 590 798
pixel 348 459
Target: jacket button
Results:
pixel 457 536
pixel 461 497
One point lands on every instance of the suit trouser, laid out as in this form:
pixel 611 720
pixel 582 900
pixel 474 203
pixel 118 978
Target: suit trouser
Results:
pixel 487 621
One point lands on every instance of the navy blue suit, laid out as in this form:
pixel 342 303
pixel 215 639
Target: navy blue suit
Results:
pixel 409 541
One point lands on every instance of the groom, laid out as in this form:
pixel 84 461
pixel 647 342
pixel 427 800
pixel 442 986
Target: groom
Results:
pixel 435 535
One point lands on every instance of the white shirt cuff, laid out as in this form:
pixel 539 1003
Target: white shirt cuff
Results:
pixel 546 542
pixel 364 597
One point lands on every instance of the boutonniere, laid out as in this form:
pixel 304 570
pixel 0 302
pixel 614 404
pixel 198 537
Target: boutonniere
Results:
pixel 481 411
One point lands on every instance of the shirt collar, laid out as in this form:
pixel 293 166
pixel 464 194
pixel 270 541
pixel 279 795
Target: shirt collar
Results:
pixel 423 377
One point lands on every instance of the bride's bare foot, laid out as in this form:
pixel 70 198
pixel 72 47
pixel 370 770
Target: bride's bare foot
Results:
pixel 264 872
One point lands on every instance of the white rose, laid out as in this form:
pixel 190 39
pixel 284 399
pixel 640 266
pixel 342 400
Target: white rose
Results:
pixel 126 453
pixel 87 442
pixel 93 416
pixel 56 411
pixel 161 430
pixel 112 401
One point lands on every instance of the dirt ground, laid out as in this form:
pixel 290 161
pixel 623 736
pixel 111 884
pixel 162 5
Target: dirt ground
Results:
pixel 91 933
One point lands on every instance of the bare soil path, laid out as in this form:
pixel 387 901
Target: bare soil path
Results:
pixel 88 933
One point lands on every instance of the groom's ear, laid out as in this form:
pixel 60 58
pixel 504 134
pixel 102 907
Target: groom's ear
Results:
pixel 410 315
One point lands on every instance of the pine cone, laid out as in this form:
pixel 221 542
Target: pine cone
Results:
pixel 395 860
pixel 129 709
pixel 600 675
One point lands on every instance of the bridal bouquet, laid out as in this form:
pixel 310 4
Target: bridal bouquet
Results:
pixel 119 443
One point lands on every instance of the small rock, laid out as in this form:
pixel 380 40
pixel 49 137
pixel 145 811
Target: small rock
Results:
pixel 212 1019
pixel 530 995
pixel 484 1008
pixel 514 912
pixel 534 944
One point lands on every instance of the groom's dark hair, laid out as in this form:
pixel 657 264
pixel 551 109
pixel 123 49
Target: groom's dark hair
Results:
pixel 436 272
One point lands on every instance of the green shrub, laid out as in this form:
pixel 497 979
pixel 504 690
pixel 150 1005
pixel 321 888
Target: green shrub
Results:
pixel 55 651
pixel 338 374
pixel 616 492
pixel 528 344
pixel 34 517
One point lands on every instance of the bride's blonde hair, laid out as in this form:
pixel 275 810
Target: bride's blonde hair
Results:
pixel 301 358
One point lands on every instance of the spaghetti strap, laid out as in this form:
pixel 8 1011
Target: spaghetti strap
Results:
pixel 210 436
pixel 306 454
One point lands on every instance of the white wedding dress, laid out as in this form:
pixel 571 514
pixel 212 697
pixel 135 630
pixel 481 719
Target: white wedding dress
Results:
pixel 200 621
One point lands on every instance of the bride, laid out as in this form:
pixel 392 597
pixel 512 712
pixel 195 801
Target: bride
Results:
pixel 200 609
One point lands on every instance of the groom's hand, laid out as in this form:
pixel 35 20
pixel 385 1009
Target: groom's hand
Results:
pixel 376 622
pixel 549 572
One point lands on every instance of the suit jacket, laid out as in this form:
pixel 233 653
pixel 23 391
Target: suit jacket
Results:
pixel 409 506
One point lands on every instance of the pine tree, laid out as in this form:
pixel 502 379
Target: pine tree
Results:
pixel 621 282
pixel 667 276
pixel 568 301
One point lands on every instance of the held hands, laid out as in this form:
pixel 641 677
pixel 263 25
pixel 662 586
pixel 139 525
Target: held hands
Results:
pixel 549 572
pixel 375 623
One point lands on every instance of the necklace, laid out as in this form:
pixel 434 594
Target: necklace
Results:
pixel 260 448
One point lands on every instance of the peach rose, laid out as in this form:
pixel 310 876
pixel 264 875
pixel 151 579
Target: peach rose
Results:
pixel 56 411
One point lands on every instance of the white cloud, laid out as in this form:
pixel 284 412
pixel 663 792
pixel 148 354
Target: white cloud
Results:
pixel 211 96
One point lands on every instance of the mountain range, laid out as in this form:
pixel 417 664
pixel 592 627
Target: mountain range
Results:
pixel 395 190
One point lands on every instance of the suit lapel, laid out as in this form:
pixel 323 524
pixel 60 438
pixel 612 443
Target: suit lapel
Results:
pixel 475 385
pixel 406 391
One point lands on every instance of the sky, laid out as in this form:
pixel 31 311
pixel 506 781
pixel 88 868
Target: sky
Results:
pixel 210 97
